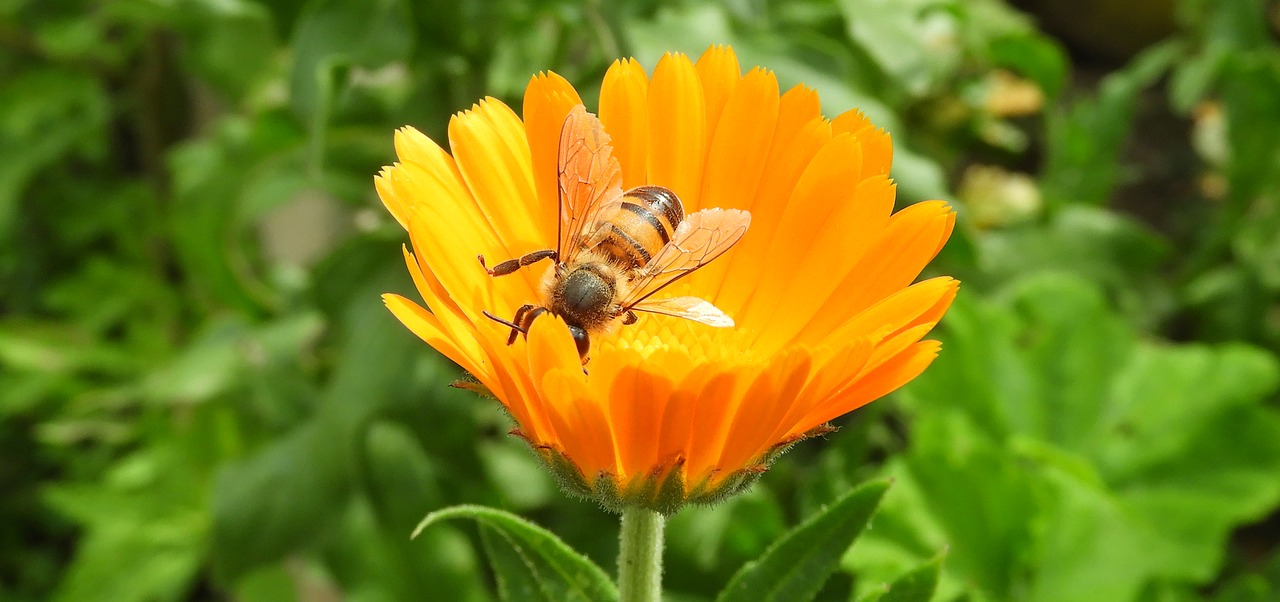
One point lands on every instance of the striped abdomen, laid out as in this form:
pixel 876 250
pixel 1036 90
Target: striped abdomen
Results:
pixel 640 227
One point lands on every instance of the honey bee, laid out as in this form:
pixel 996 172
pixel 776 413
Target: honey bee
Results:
pixel 615 250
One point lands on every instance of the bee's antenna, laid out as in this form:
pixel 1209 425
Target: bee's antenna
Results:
pixel 503 322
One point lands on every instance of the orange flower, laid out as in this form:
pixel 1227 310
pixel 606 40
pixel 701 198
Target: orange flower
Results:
pixel 675 411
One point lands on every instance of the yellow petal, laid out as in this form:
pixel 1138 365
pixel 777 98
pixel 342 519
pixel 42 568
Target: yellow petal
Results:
pixel 493 156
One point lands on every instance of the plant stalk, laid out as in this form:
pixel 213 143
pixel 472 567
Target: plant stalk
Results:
pixel 640 556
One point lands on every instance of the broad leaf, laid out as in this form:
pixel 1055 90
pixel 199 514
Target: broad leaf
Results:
pixel 796 566
pixel 916 585
pixel 529 560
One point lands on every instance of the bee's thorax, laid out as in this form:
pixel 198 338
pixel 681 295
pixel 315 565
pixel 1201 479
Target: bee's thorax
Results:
pixel 584 295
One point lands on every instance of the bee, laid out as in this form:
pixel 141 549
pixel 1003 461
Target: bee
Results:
pixel 616 249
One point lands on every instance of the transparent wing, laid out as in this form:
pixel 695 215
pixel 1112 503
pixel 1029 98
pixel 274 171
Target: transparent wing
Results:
pixel 689 308
pixel 590 179
pixel 700 238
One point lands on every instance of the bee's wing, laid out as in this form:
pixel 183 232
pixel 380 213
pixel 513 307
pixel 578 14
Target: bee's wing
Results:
pixel 590 180
pixel 700 238
pixel 689 308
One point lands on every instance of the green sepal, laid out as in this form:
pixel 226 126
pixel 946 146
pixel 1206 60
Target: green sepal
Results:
pixel 664 488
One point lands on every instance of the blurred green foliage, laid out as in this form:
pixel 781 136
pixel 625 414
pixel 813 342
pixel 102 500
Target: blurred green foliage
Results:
pixel 201 395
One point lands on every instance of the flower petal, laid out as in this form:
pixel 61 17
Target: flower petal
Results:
pixel 786 162
pixel 677 129
pixel 637 401
pixel 719 71
pixel 492 153
pixel 765 403
pixel 624 112
pixel 547 100
pixel 880 382
pixel 419 321
pixel 826 185
pixel 877 148
pixel 909 241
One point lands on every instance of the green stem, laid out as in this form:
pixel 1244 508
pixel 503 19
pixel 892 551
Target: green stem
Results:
pixel 640 556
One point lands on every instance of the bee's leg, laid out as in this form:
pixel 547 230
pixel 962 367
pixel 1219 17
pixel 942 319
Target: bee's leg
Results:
pixel 629 318
pixel 519 323
pixel 583 343
pixel 511 265
pixel 524 317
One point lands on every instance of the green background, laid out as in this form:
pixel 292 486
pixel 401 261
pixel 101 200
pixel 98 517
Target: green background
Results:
pixel 202 396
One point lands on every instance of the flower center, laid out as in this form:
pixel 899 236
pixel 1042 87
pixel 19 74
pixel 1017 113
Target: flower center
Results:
pixel 698 342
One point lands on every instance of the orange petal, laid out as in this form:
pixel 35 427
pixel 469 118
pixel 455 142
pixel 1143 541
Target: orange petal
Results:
pixel 582 424
pixel 877 147
pixel 547 100
pixel 716 403
pixel 880 382
pixel 677 129
pixel 917 304
pixel 833 368
pixel 764 404
pixel 637 401
pixel 719 71
pixel 624 112
pixel 907 244
pixel 740 145
pixel 736 159
pixel 783 168
pixel 826 186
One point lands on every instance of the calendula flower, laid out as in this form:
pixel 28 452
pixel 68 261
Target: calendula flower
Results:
pixel 669 410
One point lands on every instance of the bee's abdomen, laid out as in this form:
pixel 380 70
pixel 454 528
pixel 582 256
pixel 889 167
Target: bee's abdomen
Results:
pixel 645 222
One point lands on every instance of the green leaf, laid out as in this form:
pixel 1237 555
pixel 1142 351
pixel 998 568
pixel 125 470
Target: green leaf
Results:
pixel 276 500
pixel 231 43
pixel 1084 146
pixel 912 41
pixel 916 585
pixel 796 566
pixel 281 498
pixel 544 561
pixel 334 35
pixel 517 578
pixel 400 477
